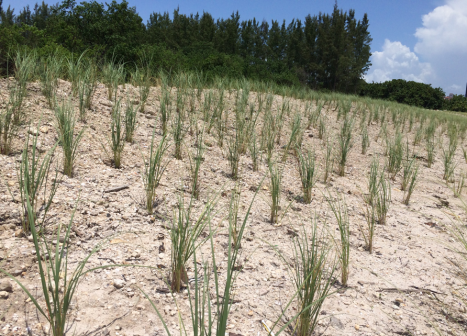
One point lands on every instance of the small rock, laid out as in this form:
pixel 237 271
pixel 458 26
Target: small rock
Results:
pixel 105 332
pixel 118 283
pixel 357 327
pixel 5 286
pixel 4 295
pixel 118 328
pixel 33 131
pixel 250 313
pixel 336 323
pixel 11 183
pixel 16 272
pixel 44 129
pixel 19 233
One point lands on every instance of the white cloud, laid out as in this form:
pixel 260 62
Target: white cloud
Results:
pixel 441 44
pixel 444 30
pixel 396 61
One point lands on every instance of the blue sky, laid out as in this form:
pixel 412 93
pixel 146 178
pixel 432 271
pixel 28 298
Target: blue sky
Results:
pixel 421 40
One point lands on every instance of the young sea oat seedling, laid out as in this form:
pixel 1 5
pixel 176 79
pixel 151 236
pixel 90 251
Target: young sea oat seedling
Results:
pixel 312 272
pixel 275 175
pixel 430 151
pixel 185 235
pixel 365 139
pixel 458 185
pixel 368 232
pixel 233 155
pixel 117 136
pixel 33 179
pixel 254 152
pixel 339 209
pixel 153 169
pixel 306 168
pixel 130 120
pixel 345 144
pixel 210 316
pixel 25 66
pixel 395 155
pixel 383 199
pixel 49 72
pixel 328 160
pixel 142 78
pixel 57 284
pixel 413 174
pixel 65 124
pixel 233 217
pixel 195 164
pixel 7 129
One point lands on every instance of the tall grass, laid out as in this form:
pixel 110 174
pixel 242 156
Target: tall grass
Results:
pixel 154 167
pixel 254 152
pixel 312 270
pixel 369 231
pixel 113 74
pixel 339 209
pixel 165 109
pixel 275 175
pixel 233 217
pixel 345 143
pixel 117 136
pixel 210 316
pixel 130 120
pixel 65 124
pixel 195 164
pixel 184 235
pixel 7 129
pixel 33 179
pixel 86 86
pixel 57 284
pixel 395 155
pixel 412 178
pixel 308 174
pixel 328 160
pixel 49 72
pixel 448 157
pixel 383 199
pixel 25 66
pixel 365 139
pixel 142 79
pixel 233 155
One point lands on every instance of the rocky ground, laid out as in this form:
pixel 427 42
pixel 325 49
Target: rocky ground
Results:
pixel 408 286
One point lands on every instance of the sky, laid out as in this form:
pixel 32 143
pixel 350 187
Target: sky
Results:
pixel 420 40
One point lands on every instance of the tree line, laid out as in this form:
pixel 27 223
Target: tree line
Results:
pixel 324 51
pixel 414 94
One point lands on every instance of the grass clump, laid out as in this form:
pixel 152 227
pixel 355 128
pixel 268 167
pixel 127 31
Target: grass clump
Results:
pixel 345 143
pixel 184 236
pixel 65 124
pixel 25 64
pixel 395 155
pixel 412 175
pixel 7 129
pixel 339 209
pixel 130 120
pixel 117 136
pixel 33 179
pixel 195 165
pixel 50 69
pixel 275 175
pixel 57 284
pixel 312 270
pixel 307 171
pixel 154 167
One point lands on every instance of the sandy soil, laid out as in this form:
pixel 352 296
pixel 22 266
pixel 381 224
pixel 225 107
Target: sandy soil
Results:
pixel 412 251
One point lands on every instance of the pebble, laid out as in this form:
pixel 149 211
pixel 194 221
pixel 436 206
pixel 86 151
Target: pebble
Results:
pixel 118 283
pixel 4 295
pixel 33 131
pixel 5 286
pixel 44 129
pixel 357 327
